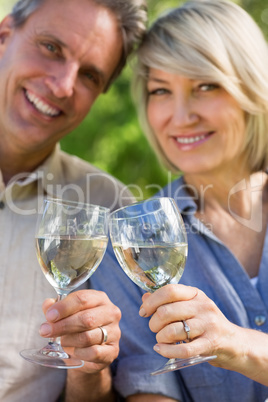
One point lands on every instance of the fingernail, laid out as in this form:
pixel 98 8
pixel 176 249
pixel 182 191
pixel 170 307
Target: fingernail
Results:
pixel 156 348
pixel 142 312
pixel 52 315
pixel 45 330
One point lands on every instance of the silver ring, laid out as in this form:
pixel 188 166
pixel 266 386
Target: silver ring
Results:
pixel 186 329
pixel 104 335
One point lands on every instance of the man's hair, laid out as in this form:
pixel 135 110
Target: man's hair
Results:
pixel 131 16
pixel 218 42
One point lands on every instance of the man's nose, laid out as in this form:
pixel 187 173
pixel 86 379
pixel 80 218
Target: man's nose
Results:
pixel 61 81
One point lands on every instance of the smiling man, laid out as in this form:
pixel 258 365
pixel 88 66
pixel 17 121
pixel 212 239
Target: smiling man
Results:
pixel 56 58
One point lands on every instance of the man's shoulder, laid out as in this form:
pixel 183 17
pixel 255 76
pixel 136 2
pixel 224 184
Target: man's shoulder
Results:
pixel 97 186
pixel 75 165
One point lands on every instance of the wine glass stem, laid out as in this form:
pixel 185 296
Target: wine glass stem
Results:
pixel 55 343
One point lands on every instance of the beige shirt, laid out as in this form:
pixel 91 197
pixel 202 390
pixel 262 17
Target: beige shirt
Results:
pixel 23 286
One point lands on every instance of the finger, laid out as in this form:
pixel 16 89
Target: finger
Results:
pixel 176 332
pixel 172 333
pixel 82 321
pixel 172 313
pixel 145 296
pixel 165 295
pixel 98 354
pixel 96 357
pixel 199 346
pixel 75 302
pixel 47 304
pixel 93 337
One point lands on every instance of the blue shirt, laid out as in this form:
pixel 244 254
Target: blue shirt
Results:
pixel 212 268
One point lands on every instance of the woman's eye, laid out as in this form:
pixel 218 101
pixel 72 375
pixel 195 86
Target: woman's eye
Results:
pixel 208 87
pixel 158 91
pixel 51 48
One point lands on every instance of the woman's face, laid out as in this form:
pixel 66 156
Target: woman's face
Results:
pixel 199 126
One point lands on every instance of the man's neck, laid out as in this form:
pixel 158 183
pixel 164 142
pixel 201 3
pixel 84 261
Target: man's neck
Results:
pixel 13 164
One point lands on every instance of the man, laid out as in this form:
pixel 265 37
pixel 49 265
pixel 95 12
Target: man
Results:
pixel 56 58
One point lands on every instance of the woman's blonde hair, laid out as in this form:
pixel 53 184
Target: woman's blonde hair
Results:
pixel 215 41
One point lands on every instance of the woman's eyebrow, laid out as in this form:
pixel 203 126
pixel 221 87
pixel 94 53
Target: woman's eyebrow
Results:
pixel 155 79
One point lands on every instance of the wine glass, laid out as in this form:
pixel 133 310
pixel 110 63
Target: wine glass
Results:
pixel 150 243
pixel 71 239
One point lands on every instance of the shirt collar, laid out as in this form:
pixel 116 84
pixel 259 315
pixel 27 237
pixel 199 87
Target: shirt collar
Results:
pixel 47 175
pixel 178 190
pixel 51 173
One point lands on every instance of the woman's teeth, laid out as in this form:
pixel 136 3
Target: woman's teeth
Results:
pixel 189 140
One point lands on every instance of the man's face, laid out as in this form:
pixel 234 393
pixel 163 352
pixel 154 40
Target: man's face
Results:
pixel 52 69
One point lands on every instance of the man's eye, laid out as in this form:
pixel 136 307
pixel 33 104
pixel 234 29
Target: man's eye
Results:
pixel 50 47
pixel 89 76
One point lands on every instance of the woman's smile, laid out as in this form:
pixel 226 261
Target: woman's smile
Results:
pixel 191 141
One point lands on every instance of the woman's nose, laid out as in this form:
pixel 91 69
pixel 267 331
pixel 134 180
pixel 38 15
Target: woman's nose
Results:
pixel 184 112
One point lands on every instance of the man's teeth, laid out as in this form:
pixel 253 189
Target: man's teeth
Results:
pixel 41 106
pixel 189 140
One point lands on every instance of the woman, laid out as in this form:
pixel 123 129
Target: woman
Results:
pixel 201 90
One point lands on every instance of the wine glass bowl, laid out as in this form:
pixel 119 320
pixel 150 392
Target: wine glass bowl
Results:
pixel 71 240
pixel 150 242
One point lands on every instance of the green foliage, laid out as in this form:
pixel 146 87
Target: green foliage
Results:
pixel 258 9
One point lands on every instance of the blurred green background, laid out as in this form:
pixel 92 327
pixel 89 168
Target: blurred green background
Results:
pixel 110 137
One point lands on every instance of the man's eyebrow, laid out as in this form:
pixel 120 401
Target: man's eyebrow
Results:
pixel 54 38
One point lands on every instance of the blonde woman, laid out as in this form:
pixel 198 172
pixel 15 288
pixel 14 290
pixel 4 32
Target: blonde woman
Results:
pixel 201 90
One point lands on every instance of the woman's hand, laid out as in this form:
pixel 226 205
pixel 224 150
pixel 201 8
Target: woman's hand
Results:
pixel 210 332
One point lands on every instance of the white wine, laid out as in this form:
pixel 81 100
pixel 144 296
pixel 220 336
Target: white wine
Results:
pixel 152 267
pixel 67 262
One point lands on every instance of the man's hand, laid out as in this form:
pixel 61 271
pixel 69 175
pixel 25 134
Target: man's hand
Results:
pixel 77 319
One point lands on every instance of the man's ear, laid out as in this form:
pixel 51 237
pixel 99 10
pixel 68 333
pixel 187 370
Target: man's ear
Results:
pixel 6 30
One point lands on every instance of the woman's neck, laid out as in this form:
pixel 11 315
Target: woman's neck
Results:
pixel 235 209
pixel 231 189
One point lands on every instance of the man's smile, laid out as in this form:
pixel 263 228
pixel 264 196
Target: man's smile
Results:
pixel 40 105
